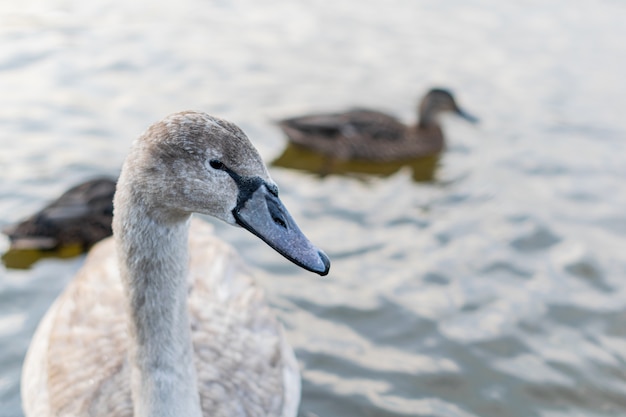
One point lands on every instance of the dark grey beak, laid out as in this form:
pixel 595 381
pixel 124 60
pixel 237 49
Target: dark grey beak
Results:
pixel 470 118
pixel 260 211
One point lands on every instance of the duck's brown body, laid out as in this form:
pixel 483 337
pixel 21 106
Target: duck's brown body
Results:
pixel 372 135
pixel 81 216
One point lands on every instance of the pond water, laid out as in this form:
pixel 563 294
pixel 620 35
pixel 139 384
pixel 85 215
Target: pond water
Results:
pixel 495 288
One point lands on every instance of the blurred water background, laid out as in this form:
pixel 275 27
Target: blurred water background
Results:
pixel 498 289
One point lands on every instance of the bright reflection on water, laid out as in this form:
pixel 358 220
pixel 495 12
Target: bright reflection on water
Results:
pixel 495 290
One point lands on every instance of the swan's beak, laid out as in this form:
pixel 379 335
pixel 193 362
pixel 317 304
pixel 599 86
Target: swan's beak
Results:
pixel 262 213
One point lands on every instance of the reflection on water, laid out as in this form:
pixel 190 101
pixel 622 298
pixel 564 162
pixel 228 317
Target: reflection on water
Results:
pixel 25 258
pixel 299 158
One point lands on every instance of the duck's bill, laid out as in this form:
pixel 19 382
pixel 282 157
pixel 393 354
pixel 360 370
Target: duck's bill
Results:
pixel 467 116
pixel 262 213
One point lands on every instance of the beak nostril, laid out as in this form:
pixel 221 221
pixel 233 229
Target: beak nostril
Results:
pixel 279 221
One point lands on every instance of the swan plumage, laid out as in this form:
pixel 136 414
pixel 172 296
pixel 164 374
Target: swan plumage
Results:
pixel 126 338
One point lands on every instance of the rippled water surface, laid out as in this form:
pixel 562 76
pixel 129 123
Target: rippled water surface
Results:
pixel 497 289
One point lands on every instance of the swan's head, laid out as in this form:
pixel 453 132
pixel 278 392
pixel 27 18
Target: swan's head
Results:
pixel 191 162
pixel 441 100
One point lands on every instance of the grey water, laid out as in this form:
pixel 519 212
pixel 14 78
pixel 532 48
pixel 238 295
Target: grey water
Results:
pixel 496 289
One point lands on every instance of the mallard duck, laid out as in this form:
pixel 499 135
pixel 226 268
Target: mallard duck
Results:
pixel 164 319
pixel 371 135
pixel 81 216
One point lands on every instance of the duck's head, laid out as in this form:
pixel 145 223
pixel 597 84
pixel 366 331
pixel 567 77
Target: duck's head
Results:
pixel 191 162
pixel 437 101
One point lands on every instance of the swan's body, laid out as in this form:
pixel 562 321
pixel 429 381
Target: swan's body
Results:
pixel 85 339
pixel 163 321
pixel 363 134
pixel 80 216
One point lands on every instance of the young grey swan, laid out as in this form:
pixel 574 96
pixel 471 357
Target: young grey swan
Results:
pixel 164 319
pixel 375 136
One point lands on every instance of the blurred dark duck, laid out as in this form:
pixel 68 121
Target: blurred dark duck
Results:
pixel 375 136
pixel 81 216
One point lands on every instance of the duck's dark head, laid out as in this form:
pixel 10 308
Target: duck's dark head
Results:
pixel 437 101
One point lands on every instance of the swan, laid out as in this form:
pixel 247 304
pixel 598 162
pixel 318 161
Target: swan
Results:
pixel 362 134
pixel 164 319
pixel 80 216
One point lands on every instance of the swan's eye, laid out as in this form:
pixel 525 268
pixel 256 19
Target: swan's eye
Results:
pixel 215 164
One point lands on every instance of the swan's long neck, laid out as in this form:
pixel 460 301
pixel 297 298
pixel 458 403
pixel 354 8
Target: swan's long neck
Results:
pixel 153 262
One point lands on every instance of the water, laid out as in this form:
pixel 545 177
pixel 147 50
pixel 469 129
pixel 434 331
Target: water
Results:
pixel 495 290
